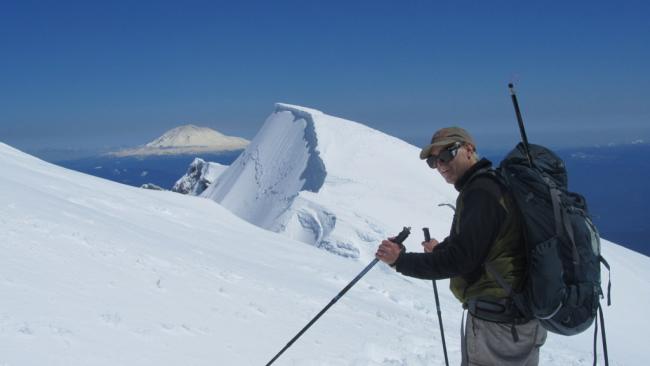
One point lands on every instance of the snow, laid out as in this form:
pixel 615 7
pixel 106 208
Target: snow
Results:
pixel 187 139
pixel 200 174
pixel 94 272
pixel 331 182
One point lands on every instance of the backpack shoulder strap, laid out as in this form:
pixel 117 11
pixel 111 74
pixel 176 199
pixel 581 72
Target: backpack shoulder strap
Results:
pixel 492 174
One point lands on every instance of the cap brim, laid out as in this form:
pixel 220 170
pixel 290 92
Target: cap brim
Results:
pixel 426 151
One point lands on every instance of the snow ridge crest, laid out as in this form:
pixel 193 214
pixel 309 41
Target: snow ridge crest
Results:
pixel 323 180
pixel 280 165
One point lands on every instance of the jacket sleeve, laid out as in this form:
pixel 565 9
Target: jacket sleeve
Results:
pixel 462 253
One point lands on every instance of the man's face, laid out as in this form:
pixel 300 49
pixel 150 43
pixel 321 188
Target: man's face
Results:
pixel 453 169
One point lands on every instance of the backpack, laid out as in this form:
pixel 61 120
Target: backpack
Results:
pixel 563 287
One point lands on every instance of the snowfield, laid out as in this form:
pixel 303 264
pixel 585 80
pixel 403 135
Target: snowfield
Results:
pixel 93 272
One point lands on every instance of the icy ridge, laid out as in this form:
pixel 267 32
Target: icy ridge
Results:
pixel 313 177
pixel 281 161
pixel 315 172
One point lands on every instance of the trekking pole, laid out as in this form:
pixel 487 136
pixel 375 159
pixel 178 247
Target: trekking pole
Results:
pixel 427 237
pixel 399 239
pixel 520 120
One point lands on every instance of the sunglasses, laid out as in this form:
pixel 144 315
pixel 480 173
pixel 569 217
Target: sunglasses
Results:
pixel 446 155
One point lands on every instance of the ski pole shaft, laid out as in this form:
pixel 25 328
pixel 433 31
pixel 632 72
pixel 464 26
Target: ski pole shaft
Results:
pixel 399 239
pixel 520 121
pixel 332 302
pixel 427 237
pixel 442 328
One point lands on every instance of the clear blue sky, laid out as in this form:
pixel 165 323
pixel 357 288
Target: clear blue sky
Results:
pixel 98 74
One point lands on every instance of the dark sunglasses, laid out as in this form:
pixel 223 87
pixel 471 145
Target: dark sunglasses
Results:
pixel 446 155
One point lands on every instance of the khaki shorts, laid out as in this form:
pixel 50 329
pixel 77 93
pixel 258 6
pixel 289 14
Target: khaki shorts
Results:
pixel 488 343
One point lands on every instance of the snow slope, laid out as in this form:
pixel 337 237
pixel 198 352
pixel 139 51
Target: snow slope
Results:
pixel 332 183
pixel 187 139
pixel 93 272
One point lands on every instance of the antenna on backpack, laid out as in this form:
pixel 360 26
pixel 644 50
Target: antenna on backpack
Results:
pixel 520 120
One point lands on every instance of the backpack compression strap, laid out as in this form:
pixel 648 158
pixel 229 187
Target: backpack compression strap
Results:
pixel 562 219
pixel 609 282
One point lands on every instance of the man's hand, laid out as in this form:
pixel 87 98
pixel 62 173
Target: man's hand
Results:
pixel 388 252
pixel 430 245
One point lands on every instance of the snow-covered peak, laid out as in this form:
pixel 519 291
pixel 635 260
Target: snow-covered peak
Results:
pixel 188 135
pixel 329 182
pixel 187 139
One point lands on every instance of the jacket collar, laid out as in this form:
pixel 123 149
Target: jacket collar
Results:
pixel 474 169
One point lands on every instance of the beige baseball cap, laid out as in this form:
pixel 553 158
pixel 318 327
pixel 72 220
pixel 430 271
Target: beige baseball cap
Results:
pixel 447 136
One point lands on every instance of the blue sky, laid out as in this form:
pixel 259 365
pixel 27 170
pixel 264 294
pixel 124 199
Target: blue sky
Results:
pixel 93 74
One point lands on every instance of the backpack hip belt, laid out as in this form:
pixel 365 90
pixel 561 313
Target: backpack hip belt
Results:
pixel 495 310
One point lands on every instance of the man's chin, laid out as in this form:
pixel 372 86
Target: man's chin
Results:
pixel 451 179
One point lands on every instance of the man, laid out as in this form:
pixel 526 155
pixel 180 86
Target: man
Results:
pixel 486 237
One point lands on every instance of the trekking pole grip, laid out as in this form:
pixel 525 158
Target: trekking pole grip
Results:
pixel 399 239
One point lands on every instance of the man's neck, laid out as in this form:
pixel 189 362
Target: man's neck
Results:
pixel 481 164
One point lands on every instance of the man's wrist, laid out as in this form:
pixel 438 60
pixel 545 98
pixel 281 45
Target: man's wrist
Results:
pixel 394 264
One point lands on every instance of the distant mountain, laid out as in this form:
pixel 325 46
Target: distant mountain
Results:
pixel 188 139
